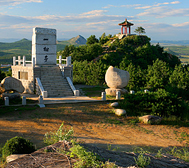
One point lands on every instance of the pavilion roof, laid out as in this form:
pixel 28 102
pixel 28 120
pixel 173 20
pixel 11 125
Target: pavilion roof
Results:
pixel 126 23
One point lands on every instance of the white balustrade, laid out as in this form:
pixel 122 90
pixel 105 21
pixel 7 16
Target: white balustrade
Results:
pixel 22 62
pixel 68 60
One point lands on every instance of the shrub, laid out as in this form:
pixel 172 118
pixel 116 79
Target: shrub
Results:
pixel 160 102
pixel 59 135
pixel 17 145
pixel 88 159
pixel 142 161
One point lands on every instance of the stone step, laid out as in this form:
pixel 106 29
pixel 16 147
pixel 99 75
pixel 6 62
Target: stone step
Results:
pixel 54 83
pixel 54 80
pixel 56 86
pixel 60 93
pixel 59 90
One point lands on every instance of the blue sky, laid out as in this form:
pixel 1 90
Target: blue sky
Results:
pixel 162 19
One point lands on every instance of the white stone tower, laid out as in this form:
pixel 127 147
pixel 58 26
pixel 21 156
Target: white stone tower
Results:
pixel 44 46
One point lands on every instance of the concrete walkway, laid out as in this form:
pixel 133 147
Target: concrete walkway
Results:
pixel 55 100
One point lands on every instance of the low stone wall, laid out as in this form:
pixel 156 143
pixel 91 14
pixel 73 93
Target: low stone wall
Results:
pixel 26 76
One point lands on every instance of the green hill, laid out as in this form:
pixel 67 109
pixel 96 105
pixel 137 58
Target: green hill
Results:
pixel 8 50
pixel 23 47
pixel 170 51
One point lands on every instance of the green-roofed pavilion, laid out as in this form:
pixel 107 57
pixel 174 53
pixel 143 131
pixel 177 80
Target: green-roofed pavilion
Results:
pixel 126 25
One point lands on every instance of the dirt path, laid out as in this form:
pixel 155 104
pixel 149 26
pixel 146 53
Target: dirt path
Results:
pixel 93 123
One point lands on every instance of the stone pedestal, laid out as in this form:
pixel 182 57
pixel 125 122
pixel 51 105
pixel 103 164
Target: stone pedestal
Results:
pixel 112 91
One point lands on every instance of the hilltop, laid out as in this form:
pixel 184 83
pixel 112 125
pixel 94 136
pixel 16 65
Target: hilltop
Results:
pixel 78 40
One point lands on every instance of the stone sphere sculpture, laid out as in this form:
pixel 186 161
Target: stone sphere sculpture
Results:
pixel 116 79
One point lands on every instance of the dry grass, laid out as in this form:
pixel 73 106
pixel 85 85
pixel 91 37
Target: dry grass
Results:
pixel 92 123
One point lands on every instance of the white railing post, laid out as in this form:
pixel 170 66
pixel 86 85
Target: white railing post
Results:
pixel 60 59
pixel 103 95
pixel 33 62
pixel 118 95
pixel 14 61
pixel 76 92
pixel 6 101
pixel 44 94
pixel 24 100
pixel 24 60
pixel 19 61
pixel 132 92
pixel 41 102
pixel 69 60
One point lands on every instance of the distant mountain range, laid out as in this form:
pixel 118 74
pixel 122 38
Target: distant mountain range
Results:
pixel 23 47
pixel 168 42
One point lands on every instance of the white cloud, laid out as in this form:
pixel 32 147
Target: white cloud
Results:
pixel 17 2
pixel 175 2
pixel 121 6
pixel 94 12
pixel 143 7
pixel 185 24
pixel 161 12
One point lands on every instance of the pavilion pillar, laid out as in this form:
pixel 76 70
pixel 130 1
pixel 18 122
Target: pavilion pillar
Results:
pixel 129 30
pixel 121 29
pixel 125 29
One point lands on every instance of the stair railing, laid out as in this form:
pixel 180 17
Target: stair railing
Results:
pixel 76 92
pixel 40 88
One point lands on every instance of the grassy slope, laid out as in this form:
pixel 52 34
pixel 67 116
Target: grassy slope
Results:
pixel 181 51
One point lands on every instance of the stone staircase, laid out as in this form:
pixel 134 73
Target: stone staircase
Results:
pixel 54 83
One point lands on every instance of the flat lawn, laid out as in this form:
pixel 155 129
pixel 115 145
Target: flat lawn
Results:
pixel 93 123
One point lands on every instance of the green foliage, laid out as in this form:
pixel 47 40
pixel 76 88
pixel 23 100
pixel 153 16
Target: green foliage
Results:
pixel 182 153
pixel 89 73
pixel 132 53
pixel 103 39
pixel 140 30
pixel 88 159
pixel 142 161
pixel 2 75
pixel 137 79
pixel 160 102
pixel 9 72
pixel 159 153
pixel 67 51
pixel 180 77
pixel 84 52
pixel 59 135
pixel 17 145
pixel 92 40
pixel 158 75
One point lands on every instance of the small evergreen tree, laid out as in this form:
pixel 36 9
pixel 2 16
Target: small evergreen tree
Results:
pixel 158 75
pixel 140 30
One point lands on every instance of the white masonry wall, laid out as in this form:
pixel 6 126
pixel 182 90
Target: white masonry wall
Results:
pixel 44 46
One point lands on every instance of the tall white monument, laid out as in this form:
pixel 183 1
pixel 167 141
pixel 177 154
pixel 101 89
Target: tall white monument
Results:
pixel 44 46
